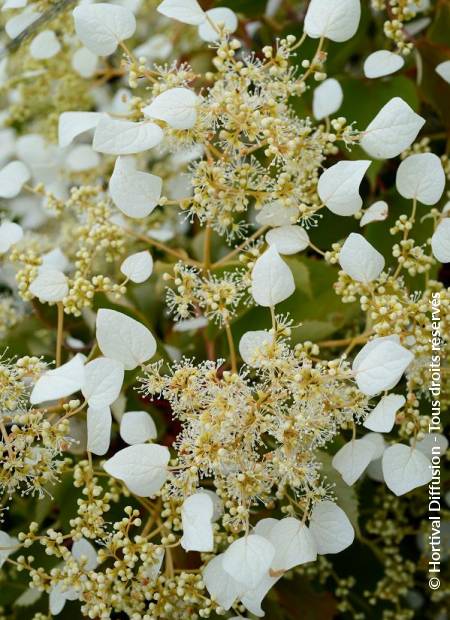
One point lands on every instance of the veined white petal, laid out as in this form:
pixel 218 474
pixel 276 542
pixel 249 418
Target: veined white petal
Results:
pixel 119 137
pixel 405 468
pixel 440 241
pixel 337 20
pixel 99 422
pixel 134 192
pixel 338 186
pixel 137 427
pixel 330 528
pixel 186 11
pixel 176 106
pixel 248 559
pixel 422 177
pixel 352 459
pixel 382 418
pixel 272 280
pixel 360 260
pixel 382 63
pixel 59 382
pixel 327 98
pixel 103 382
pixel 102 26
pixel 138 267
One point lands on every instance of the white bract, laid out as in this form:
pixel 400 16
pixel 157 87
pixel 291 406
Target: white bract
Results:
pixel 176 106
pixel 293 544
pixel 8 544
pixel 393 130
pixel 50 285
pixel 119 137
pixel 327 98
pixel 248 559
pixel 276 214
pixel 59 382
pixel 380 365
pixel 82 157
pixel 272 280
pixel 45 45
pixel 134 192
pixel 72 124
pixel 352 459
pixel 196 516
pixel 421 177
pixel 378 444
pixel 103 382
pixel 137 427
pixel 252 344
pixel 12 178
pixel 218 20
pixel 220 584
pixel 338 186
pixel 440 241
pixel 432 444
pixel 382 417
pixel 405 468
pixel 375 213
pixel 443 69
pixel 186 11
pixel 288 239
pixel 360 260
pixel 101 27
pixel 123 339
pixel 10 234
pixel 382 63
pixel 85 62
pixel 336 20
pixel 138 267
pixel 99 423
pixel 330 528
pixel 142 467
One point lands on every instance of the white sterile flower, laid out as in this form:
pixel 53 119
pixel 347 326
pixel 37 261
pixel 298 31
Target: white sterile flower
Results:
pixel 382 63
pixel 82 157
pixel 224 19
pixel 276 214
pixel 253 344
pixel 443 69
pixel 176 106
pixel 101 27
pixel 272 280
pixel 85 62
pixel 405 468
pixel 330 528
pixel 8 544
pixel 123 339
pixel 382 417
pixel 72 124
pixel 393 130
pixel 288 239
pixel 378 443
pixel 119 137
pixel 102 382
pixel 138 267
pixel 59 382
pixel 380 365
pixel 375 213
pixel 433 444
pixel 137 427
pixel 55 259
pixel 134 192
pixel 327 98
pixel 337 20
pixel 252 599
pixel 12 178
pixel 191 324
pixel 248 559
pixel 196 515
pixel 142 467
pixel 50 285
pixel 360 260
pixel 20 22
pixel 265 526
pixel 440 241
pixel 10 234
pixel 186 11
pixel 352 459
pixel 217 503
pixel 338 186
pixel 221 584
pixel 157 47
pixel 422 177
pixel 99 421
pixel 45 45
pixel 293 544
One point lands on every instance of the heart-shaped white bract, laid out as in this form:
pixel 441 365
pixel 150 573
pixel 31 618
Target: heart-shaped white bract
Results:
pixel 224 19
pixel 45 45
pixel 72 124
pixel 8 544
pixel 176 106
pixel 382 417
pixel 102 382
pixel 185 11
pixel 252 344
pixel 118 137
pixel 137 427
pixel 138 267
pixel 277 214
pixel 142 467
pixel 196 516
pixel 12 178
pixel 330 528
pixel 378 443
pixel 134 192
pixel 338 186
pixel 360 260
pixel 382 63
pixel 440 241
pixel 433 444
pixel 20 22
pixel 272 280
pixel 85 554
pixel 393 130
pixel 352 459
pixel 293 544
pixel 375 213
pixel 288 239
pixel 380 365
pixel 85 62
pixel 252 599
pixel 337 20
pixel 102 26
pixel 443 69
pixel 10 234
pixel 59 382
pixel 327 99
pixel 405 468
pixel 123 339
pixel 82 157
pixel 50 285
pixel 248 559
pixel 421 177
pixel 221 584
pixel 99 423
